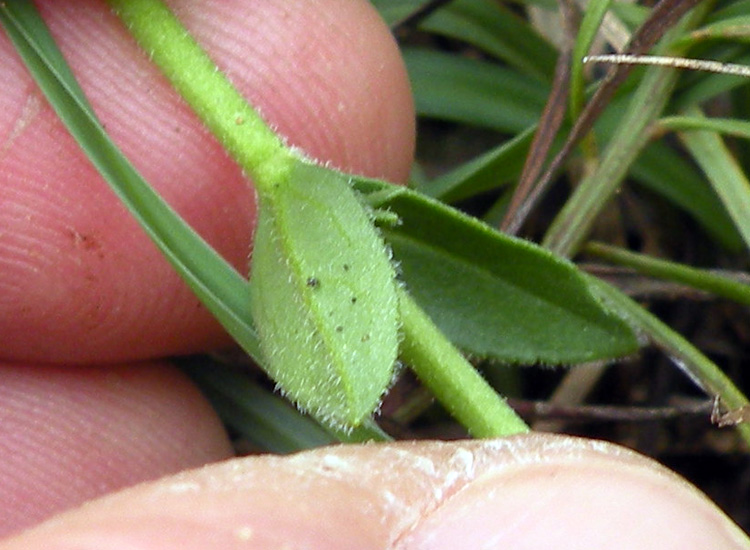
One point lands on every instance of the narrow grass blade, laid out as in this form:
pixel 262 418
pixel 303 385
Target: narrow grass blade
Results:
pixel 702 279
pixel 668 172
pixel 264 419
pixel 703 372
pixel 498 31
pixel 471 91
pixel 724 172
pixel 587 32
pixel 491 170
pixel 395 12
pixel 726 126
pixel 573 222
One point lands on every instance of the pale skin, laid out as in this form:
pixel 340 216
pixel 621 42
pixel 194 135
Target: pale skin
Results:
pixel 88 308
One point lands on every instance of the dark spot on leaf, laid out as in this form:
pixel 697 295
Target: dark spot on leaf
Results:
pixel 313 282
pixel 354 299
pixel 339 329
pixel 346 267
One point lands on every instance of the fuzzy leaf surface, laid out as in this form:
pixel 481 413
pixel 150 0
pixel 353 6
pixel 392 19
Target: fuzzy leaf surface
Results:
pixel 324 296
pixel 493 295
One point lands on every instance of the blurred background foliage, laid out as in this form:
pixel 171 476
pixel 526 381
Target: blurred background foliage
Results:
pixel 482 73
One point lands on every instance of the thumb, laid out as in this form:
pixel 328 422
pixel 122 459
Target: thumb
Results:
pixel 525 492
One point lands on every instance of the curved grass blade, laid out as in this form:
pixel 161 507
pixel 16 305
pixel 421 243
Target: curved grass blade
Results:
pixel 587 32
pixel 500 166
pixel 727 126
pixel 696 366
pixel 709 281
pixel 398 12
pixel 472 91
pixel 264 418
pixel 213 280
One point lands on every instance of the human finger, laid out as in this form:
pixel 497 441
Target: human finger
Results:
pixel 68 435
pixel 79 280
pixel 534 491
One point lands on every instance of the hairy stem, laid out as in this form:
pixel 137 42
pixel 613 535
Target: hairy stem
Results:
pixel 451 378
pixel 239 128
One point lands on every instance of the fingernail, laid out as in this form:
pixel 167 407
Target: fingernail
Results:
pixel 576 505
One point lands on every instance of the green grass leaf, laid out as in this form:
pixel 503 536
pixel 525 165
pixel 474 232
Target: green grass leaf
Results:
pixel 667 172
pixel 260 417
pixel 502 165
pixel 724 172
pixel 698 368
pixel 726 126
pixel 471 91
pixel 587 33
pixel 716 283
pixel 396 11
pixel 500 32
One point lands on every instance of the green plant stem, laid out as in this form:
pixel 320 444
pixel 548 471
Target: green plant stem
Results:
pixel 706 374
pixel 696 278
pixel 264 156
pixel 239 128
pixel 451 378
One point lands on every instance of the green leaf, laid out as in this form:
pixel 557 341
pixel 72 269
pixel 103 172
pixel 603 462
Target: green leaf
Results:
pixel 473 91
pixel 441 93
pixel 699 369
pixel 497 30
pixel 493 295
pixel 733 28
pixel 665 171
pixel 396 11
pixel 716 283
pixel 324 296
pixel 587 33
pixel 727 126
pixel 262 418
pixel 723 171
pixel 501 165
